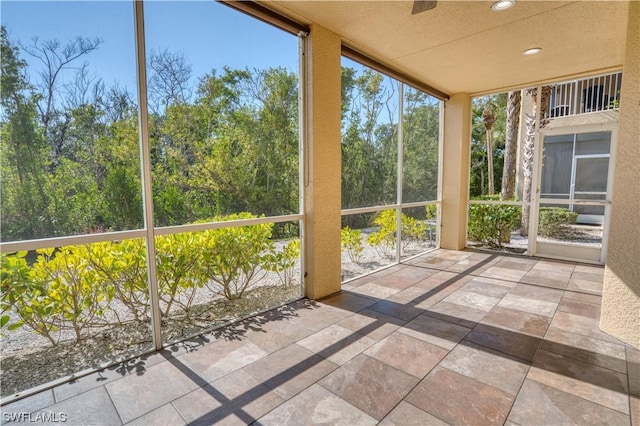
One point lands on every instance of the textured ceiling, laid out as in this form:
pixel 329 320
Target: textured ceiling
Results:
pixel 464 46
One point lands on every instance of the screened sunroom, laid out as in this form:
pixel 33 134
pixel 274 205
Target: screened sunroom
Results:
pixel 227 211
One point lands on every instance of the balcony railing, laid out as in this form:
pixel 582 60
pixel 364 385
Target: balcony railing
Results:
pixel 584 96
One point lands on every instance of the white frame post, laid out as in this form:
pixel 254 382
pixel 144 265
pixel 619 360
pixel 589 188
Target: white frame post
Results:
pixel 535 180
pixel 145 171
pixel 399 172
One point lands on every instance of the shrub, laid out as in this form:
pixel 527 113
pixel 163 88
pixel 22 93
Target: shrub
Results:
pixel 555 222
pixel 22 295
pixel 351 242
pixel 232 256
pixel 72 287
pixel 178 257
pixel 76 291
pixel 123 265
pixel 385 236
pixel 492 224
pixel 431 211
pixel 58 292
pixel 283 262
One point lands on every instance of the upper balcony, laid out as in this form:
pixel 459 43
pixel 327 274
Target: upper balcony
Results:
pixel 584 96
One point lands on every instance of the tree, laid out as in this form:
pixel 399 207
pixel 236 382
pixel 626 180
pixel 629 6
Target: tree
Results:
pixel 56 58
pixel 23 152
pixel 420 156
pixel 169 77
pixel 479 155
pixel 528 149
pixel 369 140
pixel 488 118
pixel 511 145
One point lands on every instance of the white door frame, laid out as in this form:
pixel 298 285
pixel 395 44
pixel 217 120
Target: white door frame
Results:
pixel 560 250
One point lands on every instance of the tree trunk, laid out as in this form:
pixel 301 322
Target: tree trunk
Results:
pixel 511 145
pixel 490 163
pixel 488 118
pixel 528 150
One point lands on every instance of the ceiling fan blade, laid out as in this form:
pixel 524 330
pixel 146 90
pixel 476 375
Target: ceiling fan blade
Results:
pixel 423 5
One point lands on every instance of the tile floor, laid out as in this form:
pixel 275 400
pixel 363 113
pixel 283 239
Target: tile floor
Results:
pixel 447 338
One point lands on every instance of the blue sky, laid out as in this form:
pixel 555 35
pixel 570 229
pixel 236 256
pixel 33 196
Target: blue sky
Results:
pixel 210 35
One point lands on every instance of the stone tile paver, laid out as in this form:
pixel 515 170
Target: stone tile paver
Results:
pixel 408 354
pixel 600 385
pixel 166 415
pixel 290 370
pixel 336 343
pixel 316 405
pixel 135 395
pixel 406 414
pixel 588 349
pixel 371 385
pixel 93 407
pixel 519 321
pixel 435 331
pixel 458 399
pixel 527 304
pixel 487 366
pixel 539 404
pixel 222 357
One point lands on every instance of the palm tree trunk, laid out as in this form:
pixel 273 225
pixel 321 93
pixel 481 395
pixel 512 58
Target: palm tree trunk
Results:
pixel 528 150
pixel 488 118
pixel 511 145
pixel 490 162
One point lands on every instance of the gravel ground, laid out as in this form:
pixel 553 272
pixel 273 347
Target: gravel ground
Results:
pixel 581 235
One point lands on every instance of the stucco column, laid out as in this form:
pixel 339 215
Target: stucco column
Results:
pixel 620 315
pixel 322 199
pixel 455 171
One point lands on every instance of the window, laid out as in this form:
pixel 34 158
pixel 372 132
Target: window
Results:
pixel 390 148
pixel 90 258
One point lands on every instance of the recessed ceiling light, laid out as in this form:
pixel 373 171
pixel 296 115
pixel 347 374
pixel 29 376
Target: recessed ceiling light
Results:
pixel 501 5
pixel 532 51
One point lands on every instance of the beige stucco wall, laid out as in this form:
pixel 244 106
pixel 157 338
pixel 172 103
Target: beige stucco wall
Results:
pixel 322 183
pixel 455 171
pixel 621 296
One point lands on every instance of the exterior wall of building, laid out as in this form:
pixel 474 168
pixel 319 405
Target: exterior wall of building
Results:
pixel 621 297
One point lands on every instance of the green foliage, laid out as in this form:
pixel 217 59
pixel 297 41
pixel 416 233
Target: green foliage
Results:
pixel 555 222
pixel 123 266
pixel 420 142
pixel 231 147
pixel 385 237
pixel 232 256
pixel 478 174
pixel 491 224
pixel 73 288
pixel 431 211
pixel 283 262
pixel 178 269
pixel 351 242
pixel 369 140
pixel 122 198
pixel 22 295
pixel 58 292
